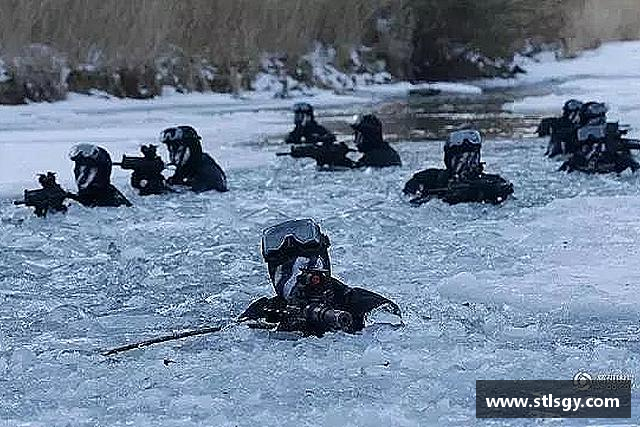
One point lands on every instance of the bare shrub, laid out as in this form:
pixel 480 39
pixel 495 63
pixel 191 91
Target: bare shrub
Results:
pixel 591 22
pixel 113 39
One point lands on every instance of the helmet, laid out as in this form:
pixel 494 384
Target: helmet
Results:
pixel 593 113
pixel 368 130
pixel 571 110
pixel 293 238
pixel 571 106
pixel 302 111
pixel 84 153
pixel 464 137
pixel 179 134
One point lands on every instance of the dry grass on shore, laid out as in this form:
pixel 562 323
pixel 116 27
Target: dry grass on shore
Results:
pixel 114 35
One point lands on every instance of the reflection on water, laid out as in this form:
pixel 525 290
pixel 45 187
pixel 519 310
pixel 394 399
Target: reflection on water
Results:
pixel 428 116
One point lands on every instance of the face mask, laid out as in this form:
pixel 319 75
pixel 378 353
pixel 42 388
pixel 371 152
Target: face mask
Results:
pixel 180 155
pixel 85 176
pixel 466 162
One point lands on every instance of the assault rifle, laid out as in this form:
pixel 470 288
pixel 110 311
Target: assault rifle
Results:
pixel 487 188
pixel 325 154
pixel 310 309
pixel 150 163
pixel 49 198
pixel 147 171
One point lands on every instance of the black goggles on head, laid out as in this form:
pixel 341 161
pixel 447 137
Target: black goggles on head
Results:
pixel 292 237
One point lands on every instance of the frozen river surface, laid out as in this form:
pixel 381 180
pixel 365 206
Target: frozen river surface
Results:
pixel 539 288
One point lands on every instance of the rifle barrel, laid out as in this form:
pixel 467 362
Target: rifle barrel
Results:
pixel 283 154
pixel 631 144
pixel 172 337
pixel 19 202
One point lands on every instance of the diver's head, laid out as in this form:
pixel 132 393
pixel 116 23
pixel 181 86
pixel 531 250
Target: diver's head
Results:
pixel 571 110
pixel 291 242
pixel 593 113
pixel 302 114
pixel 92 168
pixel 183 143
pixel 462 152
pixel 367 132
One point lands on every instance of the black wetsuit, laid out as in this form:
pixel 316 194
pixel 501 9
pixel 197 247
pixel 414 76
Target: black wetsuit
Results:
pixel 563 138
pixel 200 173
pixel 92 171
pixel 108 196
pixel 383 155
pixel 357 301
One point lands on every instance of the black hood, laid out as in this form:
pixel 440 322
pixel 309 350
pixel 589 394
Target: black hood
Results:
pixel 368 133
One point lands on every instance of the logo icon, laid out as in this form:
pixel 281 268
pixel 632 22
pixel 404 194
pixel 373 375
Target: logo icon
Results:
pixel 582 381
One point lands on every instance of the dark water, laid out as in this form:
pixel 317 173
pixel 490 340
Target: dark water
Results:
pixel 424 116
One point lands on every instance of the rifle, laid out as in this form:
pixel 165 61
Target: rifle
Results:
pixel 486 188
pixel 150 163
pixel 327 154
pixel 173 337
pixel 48 198
pixel 147 171
pixel 614 138
pixel 311 308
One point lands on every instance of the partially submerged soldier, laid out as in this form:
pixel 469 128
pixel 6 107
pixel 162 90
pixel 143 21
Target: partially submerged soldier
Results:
pixel 601 146
pixel 307 130
pixel 562 130
pixel 376 152
pixel 308 299
pixel 147 170
pixel 368 139
pixel 92 173
pixel 195 169
pixel 464 179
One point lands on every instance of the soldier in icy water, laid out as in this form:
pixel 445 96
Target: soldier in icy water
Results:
pixel 92 173
pixel 602 148
pixel 562 130
pixel 308 299
pixel 376 152
pixel 464 179
pixel 195 169
pixel 307 130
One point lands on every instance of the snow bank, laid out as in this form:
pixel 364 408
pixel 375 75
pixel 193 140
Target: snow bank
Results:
pixel 611 60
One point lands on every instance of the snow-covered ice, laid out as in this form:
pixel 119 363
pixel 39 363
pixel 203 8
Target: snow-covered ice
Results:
pixel 539 288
